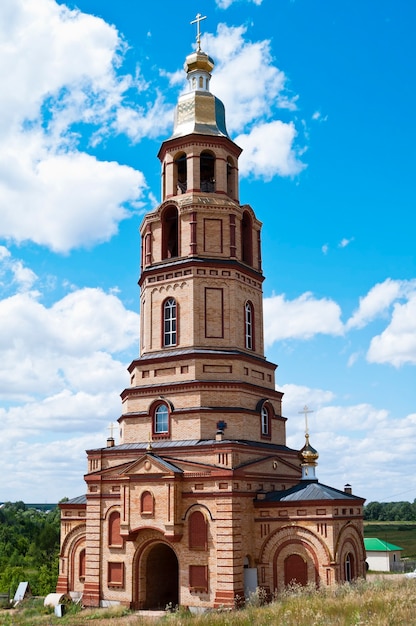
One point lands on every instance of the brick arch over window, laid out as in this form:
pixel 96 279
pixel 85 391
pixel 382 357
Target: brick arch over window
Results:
pixel 147 503
pixel 198 531
pixel 114 537
pixel 170 233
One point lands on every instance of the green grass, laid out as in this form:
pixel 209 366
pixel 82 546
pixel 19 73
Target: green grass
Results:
pixel 381 602
pixel 402 534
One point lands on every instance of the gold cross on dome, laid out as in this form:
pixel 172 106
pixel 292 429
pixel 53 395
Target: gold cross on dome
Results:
pixel 198 21
pixel 305 411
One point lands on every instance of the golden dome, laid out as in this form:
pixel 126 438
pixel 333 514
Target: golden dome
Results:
pixel 308 454
pixel 198 61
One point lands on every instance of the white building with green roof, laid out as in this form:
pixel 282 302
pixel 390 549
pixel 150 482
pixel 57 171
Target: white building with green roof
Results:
pixel 381 555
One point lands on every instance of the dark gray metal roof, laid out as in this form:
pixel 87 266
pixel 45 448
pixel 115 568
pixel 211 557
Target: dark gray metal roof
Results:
pixel 77 500
pixel 308 490
pixel 186 443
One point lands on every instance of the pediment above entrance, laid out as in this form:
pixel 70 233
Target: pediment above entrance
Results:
pixel 151 464
pixel 272 464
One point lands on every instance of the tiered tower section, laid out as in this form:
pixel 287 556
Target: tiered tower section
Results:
pixel 201 341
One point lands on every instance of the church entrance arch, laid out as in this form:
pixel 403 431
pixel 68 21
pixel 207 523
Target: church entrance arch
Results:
pixel 158 577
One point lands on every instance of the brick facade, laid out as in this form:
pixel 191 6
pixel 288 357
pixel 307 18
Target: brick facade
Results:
pixel 201 429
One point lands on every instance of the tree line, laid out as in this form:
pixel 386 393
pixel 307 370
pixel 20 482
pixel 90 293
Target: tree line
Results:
pixel 29 548
pixel 390 511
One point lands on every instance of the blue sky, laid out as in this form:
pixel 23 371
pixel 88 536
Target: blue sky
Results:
pixel 320 95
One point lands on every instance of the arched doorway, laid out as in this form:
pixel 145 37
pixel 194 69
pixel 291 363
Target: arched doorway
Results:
pixel 296 570
pixel 161 577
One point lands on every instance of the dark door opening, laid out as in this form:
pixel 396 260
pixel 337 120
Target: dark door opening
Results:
pixel 162 578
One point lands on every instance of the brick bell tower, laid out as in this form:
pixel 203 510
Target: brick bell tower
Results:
pixel 202 390
pixel 169 516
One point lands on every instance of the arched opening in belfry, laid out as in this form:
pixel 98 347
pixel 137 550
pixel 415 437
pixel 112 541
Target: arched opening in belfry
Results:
pixel 181 173
pixel 247 238
pixel 207 171
pixel 170 244
pixel 296 570
pixel 161 577
pixel 230 178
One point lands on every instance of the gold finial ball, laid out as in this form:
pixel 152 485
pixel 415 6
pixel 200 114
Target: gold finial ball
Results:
pixel 308 454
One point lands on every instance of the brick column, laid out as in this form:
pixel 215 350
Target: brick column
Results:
pixel 92 585
pixel 230 574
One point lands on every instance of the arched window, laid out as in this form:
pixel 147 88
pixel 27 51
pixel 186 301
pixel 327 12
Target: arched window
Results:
pixel 147 503
pixel 265 422
pixel 81 567
pixel 169 323
pixel 161 420
pixel 207 172
pixel 114 537
pixel 249 326
pixel 181 173
pixel 198 531
pixel 247 238
pixel 170 244
pixel 349 573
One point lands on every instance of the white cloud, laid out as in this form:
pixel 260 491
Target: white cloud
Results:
pixel 318 117
pixel 345 242
pixel 268 151
pixel 325 248
pixel 397 343
pixel 225 4
pixel 14 273
pixel 65 72
pixel 64 347
pixel 379 299
pixel 301 318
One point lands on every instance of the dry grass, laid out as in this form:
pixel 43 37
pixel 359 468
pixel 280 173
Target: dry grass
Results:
pixel 380 602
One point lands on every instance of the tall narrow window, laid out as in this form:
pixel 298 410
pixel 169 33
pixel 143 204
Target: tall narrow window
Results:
pixel 349 573
pixel 114 537
pixel 161 420
pixel 170 243
pixel 169 323
pixel 207 172
pixel 265 422
pixel 249 326
pixel 81 569
pixel 198 531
